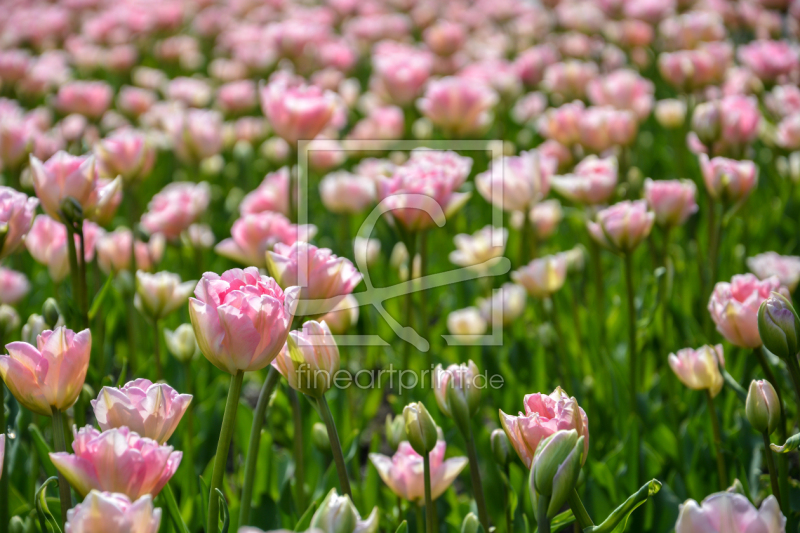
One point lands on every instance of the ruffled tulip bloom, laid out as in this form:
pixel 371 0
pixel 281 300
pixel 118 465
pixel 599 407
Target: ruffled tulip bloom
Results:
pixel 459 106
pixel 310 359
pixel 400 71
pixel 403 472
pixel 602 128
pixel 728 180
pixel 196 134
pixel 785 267
pixel 117 460
pixel 236 97
pixel 622 226
pixel 16 217
pixel 673 201
pixel 563 124
pixel 114 251
pixel 176 207
pixel 13 286
pixel 49 375
pixel 47 244
pixel 690 70
pixel 88 98
pixel 343 192
pixel 592 182
pixel 271 195
pixel 543 276
pixel 623 89
pixel 505 306
pixel 153 410
pixel 514 183
pixel 158 295
pixel 739 119
pixel 125 153
pixel 481 250
pixel 466 322
pixel 569 79
pixel 770 60
pixel 531 64
pixel 544 415
pixel 297 112
pixel 545 217
pixel 729 512
pixel 734 307
pixel 252 236
pixel 104 512
pixel 241 319
pixel 699 369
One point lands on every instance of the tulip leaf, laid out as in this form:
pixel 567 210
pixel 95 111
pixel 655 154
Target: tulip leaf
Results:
pixel 789 446
pixel 403 527
pixel 42 450
pixel 223 507
pixel 618 519
pixel 173 510
pixel 204 495
pixel 560 522
pixel 98 299
pixel 45 516
pixel 305 519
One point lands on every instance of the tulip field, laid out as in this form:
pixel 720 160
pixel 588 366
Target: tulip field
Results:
pixel 399 266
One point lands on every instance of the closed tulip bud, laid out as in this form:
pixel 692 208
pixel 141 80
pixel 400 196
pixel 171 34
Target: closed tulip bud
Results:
pixel 17 525
pixel 395 430
pixel 9 319
pixel 778 326
pixel 337 514
pixel 706 122
pixel 158 295
pixel 421 430
pixel 555 469
pixel 310 359
pixel 456 392
pixel 470 524
pixel 319 436
pixel 181 343
pixel 500 447
pixel 763 408
pixel 50 312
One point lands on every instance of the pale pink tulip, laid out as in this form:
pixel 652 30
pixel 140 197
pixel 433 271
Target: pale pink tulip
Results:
pixel 734 307
pixel 694 69
pixel 17 138
pixel 196 134
pixel 114 251
pixel 498 74
pixel 252 236
pixel 671 113
pixel 514 183
pixel 602 128
pixel 543 276
pixel 13 286
pixel 403 471
pixel 466 323
pixel 730 512
pixel 545 217
pixel 88 98
pixel 193 92
pixel 341 317
pixel 47 244
pixel 176 207
pixel 728 180
pixel 785 267
pixel 126 153
pixel 153 410
pixel 739 119
pixel 563 124
pixel 135 101
pixel 505 306
pixel 531 63
pixel 699 369
pixel 623 89
pixel 297 111
pixel 529 108
pixel 343 192
pixel 271 195
pixel 460 107
pixel 237 97
pixel 569 79
pixel 544 415
pixel 592 182
pixel 400 71
pixel 158 295
pixel 788 134
pixel 106 512
pixel 445 38
pixel 673 201
pixel 49 375
pixel 622 226
pixel 310 359
pixel 770 60
pixel 481 250
pixel 241 319
pixel 116 460
pixel 686 31
pixel 783 100
pixel 16 217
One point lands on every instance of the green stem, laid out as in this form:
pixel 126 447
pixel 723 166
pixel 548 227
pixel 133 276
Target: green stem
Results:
pixel 794 372
pixel 223 446
pixel 299 464
pixel 665 298
pixel 74 270
pixel 563 361
pixel 411 246
pixel 60 445
pixel 423 296
pixel 418 512
pixel 509 517
pixel 597 268
pixel 336 446
pixel 157 351
pixel 581 515
pixel 542 522
pixel 130 324
pixel 84 296
pixel 475 475
pixel 188 435
pixel 721 470
pixel 173 510
pixel 632 361
pixel 773 473
pixel 426 463
pixel 783 467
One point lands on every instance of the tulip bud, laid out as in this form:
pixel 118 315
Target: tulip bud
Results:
pixel 51 313
pixel 470 524
pixel 420 428
pixel 181 343
pixel 395 430
pixel 18 526
pixel 319 436
pixel 778 326
pixel 555 469
pixel 706 122
pixel 456 392
pixel 337 514
pixel 9 319
pixel 763 408
pixel 500 447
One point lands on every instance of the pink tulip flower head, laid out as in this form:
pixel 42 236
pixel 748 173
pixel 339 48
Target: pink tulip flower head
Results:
pixel 699 369
pixel 403 472
pixel 237 97
pixel 543 276
pixel 785 267
pixel 117 460
pixel 563 124
pixel 49 375
pixel 176 207
pixel 297 111
pixel 459 106
pixel 153 410
pixel 445 38
pixel 125 153
pixel 114 251
pixel 623 89
pixel 673 201
pixel 531 63
pixel 310 359
pixel 505 306
pixel 544 415
pixel 622 226
pixel 592 182
pixel 514 183
pixel 16 217
pixel 728 180
pixel 739 119
pixel 88 98
pixel 569 79
pixel 545 217
pixel 271 195
pixel 158 295
pixel 135 101
pixel 770 60
pixel 252 236
pixel 47 244
pixel 196 134
pixel 241 319
pixel 734 307
pixel 102 512
pixel 481 250
pixel 13 286
pixel 730 512
pixel 17 140
pixel 787 135
pixel 343 192
pixel 400 71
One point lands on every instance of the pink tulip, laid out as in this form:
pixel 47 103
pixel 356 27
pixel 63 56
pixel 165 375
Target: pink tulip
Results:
pixel 699 369
pixel 241 319
pixel 14 64
pixel 592 182
pixel 563 124
pixel 505 306
pixel 673 201
pixel 544 415
pixel 531 63
pixel 104 512
pixel 445 38
pixel 88 98
pixel 480 250
pixel 17 137
pixel 16 216
pixel 783 100
pixel 271 195
pixel 529 108
pixel 569 78
pixel 734 307
pixel 196 134
pixel 51 374
pixel 729 512
pixel 193 92
pixel 125 153
pixel 518 181
pixel 382 123
pixel 158 295
pixel 602 128
pixel 135 101
pixel 770 60
pixel 686 31
pixel 114 251
pixel 498 74
pixel 253 235
pixel 543 276
pixel 343 192
pixel 176 207
pixel 785 267
pixel 153 410
pixel 728 180
pixel 13 286
pixel 739 119
pixel 694 69
pixel 117 460
pixel 400 71
pixel 671 113
pixel 545 217
pixel 623 89
pixel 403 471
pixel 622 226
pixel 237 97
pixel 310 359
pixel 297 111
pixel 47 244
pixel 458 106
pixel 788 134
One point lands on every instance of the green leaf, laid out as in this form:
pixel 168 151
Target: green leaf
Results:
pixel 172 509
pixel 226 516
pixel 99 297
pixel 305 520
pixel 46 518
pixel 618 518
pixel 560 522
pixel 789 446
pixel 42 450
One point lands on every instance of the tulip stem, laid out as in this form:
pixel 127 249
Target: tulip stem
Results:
pixel 773 473
pixel 721 470
pixel 299 465
pixel 636 455
pixel 426 463
pixel 188 452
pixel 60 445
pixel 255 443
pixel 74 272
pixel 157 351
pixel 336 446
pixel 475 474
pixel 794 372
pixel 542 522
pixel 84 296
pixel 581 515
pixel 597 264
pixel 420 525
pixel 223 446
